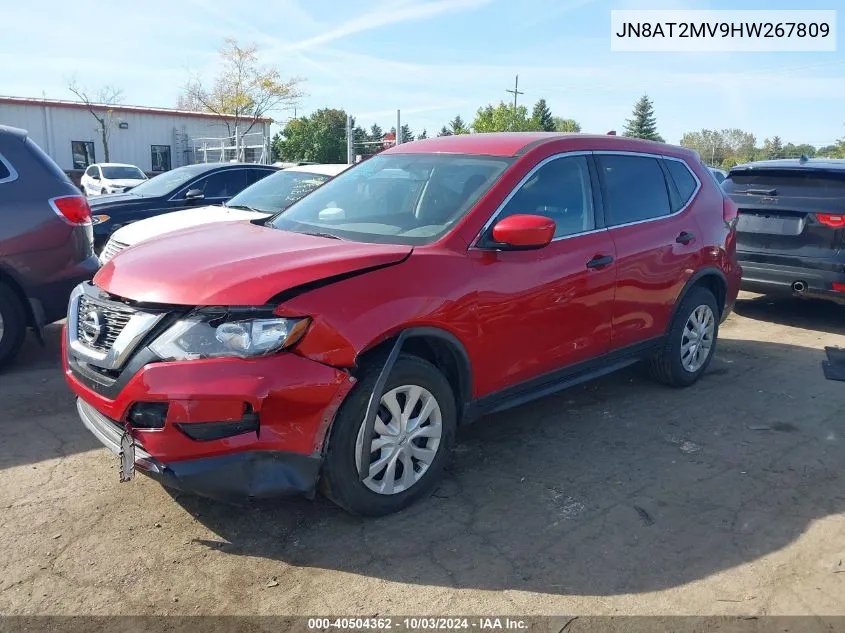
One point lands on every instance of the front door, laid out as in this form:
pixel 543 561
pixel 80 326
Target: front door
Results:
pixel 544 309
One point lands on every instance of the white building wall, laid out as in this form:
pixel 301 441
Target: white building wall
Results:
pixel 53 127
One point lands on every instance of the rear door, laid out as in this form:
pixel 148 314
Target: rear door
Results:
pixel 789 212
pixel 656 236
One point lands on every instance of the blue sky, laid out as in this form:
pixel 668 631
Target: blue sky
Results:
pixel 431 58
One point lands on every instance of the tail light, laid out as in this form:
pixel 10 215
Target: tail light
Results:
pixel 730 213
pixel 834 220
pixel 72 209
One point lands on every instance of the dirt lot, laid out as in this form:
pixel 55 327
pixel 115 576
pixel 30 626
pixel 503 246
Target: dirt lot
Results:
pixel 618 497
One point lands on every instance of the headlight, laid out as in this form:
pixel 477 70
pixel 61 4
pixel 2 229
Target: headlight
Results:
pixel 201 336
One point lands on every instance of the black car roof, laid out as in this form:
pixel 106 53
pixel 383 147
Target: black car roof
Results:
pixel 818 164
pixel 201 168
pixel 14 131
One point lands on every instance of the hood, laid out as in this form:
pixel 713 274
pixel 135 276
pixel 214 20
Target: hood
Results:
pixel 236 263
pixel 143 230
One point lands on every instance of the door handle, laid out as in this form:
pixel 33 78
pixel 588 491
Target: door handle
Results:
pixel 685 238
pixel 600 261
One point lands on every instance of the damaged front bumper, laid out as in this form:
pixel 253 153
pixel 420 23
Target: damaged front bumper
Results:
pixel 256 474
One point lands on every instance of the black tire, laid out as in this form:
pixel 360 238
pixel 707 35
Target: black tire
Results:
pixel 340 481
pixel 102 192
pixel 14 324
pixel 666 367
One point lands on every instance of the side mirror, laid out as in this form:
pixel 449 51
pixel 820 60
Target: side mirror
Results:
pixel 194 194
pixel 524 232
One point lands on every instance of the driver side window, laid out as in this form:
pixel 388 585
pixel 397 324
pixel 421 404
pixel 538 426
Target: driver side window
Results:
pixel 560 190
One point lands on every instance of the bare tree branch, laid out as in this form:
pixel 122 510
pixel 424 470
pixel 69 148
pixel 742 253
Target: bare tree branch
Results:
pixel 100 107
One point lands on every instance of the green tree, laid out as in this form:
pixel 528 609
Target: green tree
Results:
pixel 444 131
pixel 457 126
pixel 790 150
pixel 242 92
pixel 643 123
pixel 566 125
pixel 773 148
pixel 542 118
pixel 276 147
pixel 320 137
pixel 407 134
pixel 722 147
pixel 502 118
pixel 422 135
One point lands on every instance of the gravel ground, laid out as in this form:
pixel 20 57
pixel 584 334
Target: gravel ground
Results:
pixel 618 497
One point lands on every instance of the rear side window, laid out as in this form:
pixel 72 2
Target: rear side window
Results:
pixel 685 182
pixel 634 188
pixel 223 184
pixel 254 175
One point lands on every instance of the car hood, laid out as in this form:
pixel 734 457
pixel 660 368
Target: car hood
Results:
pixel 237 263
pixel 160 224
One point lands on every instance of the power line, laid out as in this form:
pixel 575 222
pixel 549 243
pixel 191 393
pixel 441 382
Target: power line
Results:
pixel 515 92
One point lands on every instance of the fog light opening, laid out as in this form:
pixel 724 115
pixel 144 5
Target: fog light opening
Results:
pixel 148 415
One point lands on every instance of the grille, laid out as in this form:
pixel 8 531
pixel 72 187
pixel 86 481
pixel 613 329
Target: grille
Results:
pixel 114 318
pixel 112 248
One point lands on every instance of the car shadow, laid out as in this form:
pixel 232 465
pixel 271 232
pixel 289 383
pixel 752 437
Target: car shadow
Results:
pixel 619 486
pixel 810 314
pixel 38 417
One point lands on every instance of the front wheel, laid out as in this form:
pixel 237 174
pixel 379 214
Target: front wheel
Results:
pixel 412 437
pixel 691 341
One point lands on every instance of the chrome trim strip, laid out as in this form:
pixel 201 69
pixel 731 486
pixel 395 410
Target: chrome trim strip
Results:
pixel 105 429
pixel 13 174
pixel 519 185
pixel 140 323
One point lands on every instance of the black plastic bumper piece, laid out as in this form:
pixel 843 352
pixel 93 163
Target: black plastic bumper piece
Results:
pixel 237 477
pixel 768 278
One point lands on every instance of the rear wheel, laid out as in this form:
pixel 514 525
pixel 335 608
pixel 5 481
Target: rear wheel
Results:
pixel 12 324
pixel 413 434
pixel 691 342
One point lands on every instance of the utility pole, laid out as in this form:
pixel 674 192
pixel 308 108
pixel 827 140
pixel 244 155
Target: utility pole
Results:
pixel 398 127
pixel 350 147
pixel 516 93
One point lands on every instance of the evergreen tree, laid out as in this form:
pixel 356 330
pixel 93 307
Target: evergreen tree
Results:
pixel 643 123
pixel 444 131
pixel 457 126
pixel 422 135
pixel 541 117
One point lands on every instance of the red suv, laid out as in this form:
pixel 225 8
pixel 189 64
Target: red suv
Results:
pixel 342 342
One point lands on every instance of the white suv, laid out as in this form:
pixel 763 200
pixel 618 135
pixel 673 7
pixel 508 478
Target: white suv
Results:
pixel 102 178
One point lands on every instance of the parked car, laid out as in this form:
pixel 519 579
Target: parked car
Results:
pixel 45 240
pixel 718 174
pixel 266 197
pixel 180 188
pixel 104 178
pixel 345 340
pixel 791 226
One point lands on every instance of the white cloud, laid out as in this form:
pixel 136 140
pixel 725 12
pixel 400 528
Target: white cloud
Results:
pixel 388 14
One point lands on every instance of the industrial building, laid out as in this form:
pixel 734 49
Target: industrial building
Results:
pixel 154 139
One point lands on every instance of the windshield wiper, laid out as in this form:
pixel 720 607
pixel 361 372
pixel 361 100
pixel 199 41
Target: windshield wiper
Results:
pixel 317 234
pixel 245 207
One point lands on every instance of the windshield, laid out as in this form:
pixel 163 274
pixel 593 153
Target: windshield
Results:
pixel 120 173
pixel 168 181
pixel 395 198
pixel 277 192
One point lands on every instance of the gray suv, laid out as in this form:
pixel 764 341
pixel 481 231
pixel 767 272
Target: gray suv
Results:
pixel 46 240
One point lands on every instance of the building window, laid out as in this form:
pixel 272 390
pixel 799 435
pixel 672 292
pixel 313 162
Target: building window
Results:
pixel 83 153
pixel 160 157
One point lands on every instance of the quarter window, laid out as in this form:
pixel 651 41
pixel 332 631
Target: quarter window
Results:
pixel 684 180
pixel 559 190
pixel 83 153
pixel 160 157
pixel 634 188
